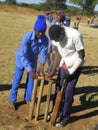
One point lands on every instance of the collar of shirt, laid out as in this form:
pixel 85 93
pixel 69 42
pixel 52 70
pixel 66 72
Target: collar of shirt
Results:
pixel 33 38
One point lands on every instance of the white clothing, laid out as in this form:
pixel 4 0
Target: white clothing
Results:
pixel 73 43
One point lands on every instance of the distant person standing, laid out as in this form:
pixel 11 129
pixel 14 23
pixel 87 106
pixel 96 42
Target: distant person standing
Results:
pixel 76 23
pixel 88 21
pixel 33 44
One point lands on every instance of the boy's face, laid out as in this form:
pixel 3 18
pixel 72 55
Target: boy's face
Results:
pixel 39 33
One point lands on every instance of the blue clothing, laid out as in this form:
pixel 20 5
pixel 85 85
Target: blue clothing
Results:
pixel 30 48
pixel 40 23
pixel 15 85
pixel 51 20
pixel 68 21
pixel 26 58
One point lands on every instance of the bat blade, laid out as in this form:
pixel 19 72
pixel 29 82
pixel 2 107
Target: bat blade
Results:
pixel 56 107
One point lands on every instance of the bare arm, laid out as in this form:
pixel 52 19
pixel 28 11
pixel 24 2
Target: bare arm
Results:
pixel 49 12
pixel 81 54
pixel 57 58
pixel 52 12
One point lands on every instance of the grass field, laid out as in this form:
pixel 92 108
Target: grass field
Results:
pixel 13 25
pixel 12 28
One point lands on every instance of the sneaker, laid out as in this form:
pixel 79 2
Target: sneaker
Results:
pixel 61 124
pixel 12 105
pixel 49 116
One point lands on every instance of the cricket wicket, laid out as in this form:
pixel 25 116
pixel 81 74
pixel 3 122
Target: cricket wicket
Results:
pixel 34 95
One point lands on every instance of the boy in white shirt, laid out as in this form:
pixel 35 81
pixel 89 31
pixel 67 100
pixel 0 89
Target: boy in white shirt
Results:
pixel 69 47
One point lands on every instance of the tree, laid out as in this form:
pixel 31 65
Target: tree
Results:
pixel 60 3
pixel 54 4
pixel 10 1
pixel 87 5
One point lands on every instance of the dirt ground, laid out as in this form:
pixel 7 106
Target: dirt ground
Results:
pixel 84 112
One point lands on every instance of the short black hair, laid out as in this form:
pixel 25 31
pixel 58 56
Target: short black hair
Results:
pixel 55 32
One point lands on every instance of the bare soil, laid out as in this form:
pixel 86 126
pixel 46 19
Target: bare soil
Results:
pixel 84 112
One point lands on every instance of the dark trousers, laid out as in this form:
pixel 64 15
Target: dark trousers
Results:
pixel 69 87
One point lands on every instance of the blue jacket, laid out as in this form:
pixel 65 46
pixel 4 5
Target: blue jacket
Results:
pixel 30 48
pixel 68 21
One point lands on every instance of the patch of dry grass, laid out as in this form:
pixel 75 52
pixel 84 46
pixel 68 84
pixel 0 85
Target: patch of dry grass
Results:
pixel 12 28
pixel 89 77
pixel 15 8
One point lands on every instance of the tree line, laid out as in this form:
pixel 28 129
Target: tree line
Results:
pixel 86 6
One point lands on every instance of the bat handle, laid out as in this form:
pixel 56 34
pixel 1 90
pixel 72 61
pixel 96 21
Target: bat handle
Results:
pixel 62 89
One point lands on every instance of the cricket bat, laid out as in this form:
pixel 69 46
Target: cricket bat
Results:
pixel 56 106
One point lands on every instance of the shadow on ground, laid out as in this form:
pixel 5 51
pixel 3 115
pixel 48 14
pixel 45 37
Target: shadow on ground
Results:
pixel 84 91
pixel 86 104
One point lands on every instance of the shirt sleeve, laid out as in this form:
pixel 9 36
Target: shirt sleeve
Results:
pixel 44 51
pixel 78 41
pixel 54 43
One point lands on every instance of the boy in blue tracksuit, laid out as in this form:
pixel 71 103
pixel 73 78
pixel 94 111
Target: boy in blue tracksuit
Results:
pixel 33 44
